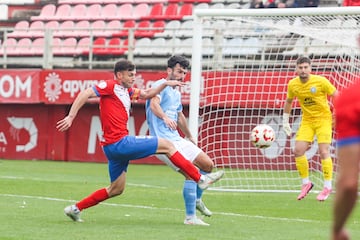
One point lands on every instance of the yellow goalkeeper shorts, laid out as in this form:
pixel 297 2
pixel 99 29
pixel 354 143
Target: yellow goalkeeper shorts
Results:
pixel 322 130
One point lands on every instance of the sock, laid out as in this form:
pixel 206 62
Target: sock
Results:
pixel 186 166
pixel 305 180
pixel 189 194
pixel 328 184
pixel 327 169
pixel 302 166
pixel 93 199
pixel 199 191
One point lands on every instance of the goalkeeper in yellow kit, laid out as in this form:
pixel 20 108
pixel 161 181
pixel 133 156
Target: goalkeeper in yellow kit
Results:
pixel 312 92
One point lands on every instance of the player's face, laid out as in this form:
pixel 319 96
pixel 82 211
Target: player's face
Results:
pixel 303 70
pixel 127 78
pixel 177 73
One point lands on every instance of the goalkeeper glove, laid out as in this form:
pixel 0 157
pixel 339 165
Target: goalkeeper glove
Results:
pixel 286 125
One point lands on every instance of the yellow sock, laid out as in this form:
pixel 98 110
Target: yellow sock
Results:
pixel 302 166
pixel 327 168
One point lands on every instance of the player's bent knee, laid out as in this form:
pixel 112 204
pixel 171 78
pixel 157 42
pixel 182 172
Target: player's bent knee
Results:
pixel 324 154
pixel 113 192
pixel 204 166
pixel 299 152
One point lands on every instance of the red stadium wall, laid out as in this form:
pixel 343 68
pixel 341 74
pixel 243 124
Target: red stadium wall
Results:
pixel 32 101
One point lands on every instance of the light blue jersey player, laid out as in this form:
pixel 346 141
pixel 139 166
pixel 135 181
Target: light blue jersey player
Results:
pixel 170 103
pixel 164 114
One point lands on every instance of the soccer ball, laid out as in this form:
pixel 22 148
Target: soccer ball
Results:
pixel 262 136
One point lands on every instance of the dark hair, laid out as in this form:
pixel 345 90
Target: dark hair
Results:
pixel 181 60
pixel 302 60
pixel 123 65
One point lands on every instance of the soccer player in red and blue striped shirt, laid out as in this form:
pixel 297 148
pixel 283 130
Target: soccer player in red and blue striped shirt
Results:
pixel 115 101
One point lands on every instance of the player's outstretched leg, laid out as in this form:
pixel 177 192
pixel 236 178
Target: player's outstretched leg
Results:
pixel 209 179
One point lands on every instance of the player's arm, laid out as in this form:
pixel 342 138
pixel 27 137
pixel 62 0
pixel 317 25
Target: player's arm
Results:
pixel 152 92
pixel 79 101
pixel 286 115
pixel 182 123
pixel 158 111
pixel 333 96
pixel 287 106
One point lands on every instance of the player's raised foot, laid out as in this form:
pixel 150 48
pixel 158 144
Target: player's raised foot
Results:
pixel 210 178
pixel 73 212
pixel 195 221
pixel 324 194
pixel 202 208
pixel 305 189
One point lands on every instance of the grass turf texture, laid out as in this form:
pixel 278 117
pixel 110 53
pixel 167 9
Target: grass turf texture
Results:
pixel 34 193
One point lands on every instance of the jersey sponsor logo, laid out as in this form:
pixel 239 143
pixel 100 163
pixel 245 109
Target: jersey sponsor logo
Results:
pixel 309 102
pixel 313 89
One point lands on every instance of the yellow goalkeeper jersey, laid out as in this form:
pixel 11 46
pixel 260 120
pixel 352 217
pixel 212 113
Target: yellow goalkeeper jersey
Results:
pixel 312 96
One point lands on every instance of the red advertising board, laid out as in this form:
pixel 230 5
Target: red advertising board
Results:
pixel 62 86
pixel 23 131
pixel 241 89
pixel 235 89
pixel 19 86
pixel 29 131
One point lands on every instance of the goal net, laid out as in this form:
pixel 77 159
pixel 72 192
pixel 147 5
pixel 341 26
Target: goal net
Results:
pixel 242 60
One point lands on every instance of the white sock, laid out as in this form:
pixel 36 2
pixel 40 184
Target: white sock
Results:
pixel 328 184
pixel 305 180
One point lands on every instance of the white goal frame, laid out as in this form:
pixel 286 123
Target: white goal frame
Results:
pixel 197 55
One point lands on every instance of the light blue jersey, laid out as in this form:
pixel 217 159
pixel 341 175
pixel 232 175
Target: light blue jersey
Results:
pixel 170 102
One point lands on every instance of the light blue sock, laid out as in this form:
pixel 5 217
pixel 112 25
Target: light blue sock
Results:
pixel 189 194
pixel 199 191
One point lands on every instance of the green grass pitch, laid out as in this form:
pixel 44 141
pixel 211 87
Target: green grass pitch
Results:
pixel 34 193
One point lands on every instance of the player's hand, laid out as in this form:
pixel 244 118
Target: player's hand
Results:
pixel 64 124
pixel 287 128
pixel 174 83
pixel 286 124
pixel 170 123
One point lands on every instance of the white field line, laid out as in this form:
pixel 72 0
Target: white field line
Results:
pixel 162 209
pixel 44 180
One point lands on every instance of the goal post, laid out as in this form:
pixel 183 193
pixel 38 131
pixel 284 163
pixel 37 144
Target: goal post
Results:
pixel 242 60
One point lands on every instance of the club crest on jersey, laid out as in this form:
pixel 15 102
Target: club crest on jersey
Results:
pixel 102 84
pixel 313 89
